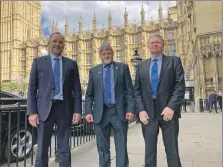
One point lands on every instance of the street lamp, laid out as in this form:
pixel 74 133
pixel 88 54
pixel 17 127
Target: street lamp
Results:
pixel 135 60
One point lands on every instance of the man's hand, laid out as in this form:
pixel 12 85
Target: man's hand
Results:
pixel 129 116
pixel 89 118
pixel 34 120
pixel 167 114
pixel 76 118
pixel 144 118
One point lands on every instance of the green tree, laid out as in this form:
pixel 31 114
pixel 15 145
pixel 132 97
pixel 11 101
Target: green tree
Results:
pixel 15 86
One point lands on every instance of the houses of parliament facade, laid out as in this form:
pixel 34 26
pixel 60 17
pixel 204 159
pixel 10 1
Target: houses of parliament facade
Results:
pixel 192 31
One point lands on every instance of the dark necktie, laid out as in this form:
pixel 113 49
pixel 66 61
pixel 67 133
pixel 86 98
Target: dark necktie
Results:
pixel 56 75
pixel 154 77
pixel 107 86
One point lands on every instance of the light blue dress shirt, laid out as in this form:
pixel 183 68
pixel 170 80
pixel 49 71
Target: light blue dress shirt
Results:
pixel 112 82
pixel 60 95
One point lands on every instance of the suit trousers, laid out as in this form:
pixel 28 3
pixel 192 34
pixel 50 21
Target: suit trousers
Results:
pixel 211 105
pixel 170 131
pixel 45 129
pixel 110 120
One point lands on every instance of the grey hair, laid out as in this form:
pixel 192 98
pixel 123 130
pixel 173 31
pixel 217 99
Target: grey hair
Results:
pixel 105 46
pixel 156 36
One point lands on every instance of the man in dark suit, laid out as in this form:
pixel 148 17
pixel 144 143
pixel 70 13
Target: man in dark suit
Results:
pixel 109 104
pixel 54 97
pixel 159 94
pixel 213 101
pixel 219 98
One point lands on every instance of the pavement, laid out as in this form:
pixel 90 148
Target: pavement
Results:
pixel 200 144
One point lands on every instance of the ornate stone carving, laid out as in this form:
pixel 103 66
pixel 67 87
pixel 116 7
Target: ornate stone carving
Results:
pixel 216 50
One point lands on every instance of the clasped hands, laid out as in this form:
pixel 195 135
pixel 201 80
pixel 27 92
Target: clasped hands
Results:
pixel 167 115
pixel 89 117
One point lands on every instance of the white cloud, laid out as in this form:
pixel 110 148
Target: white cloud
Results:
pixel 72 10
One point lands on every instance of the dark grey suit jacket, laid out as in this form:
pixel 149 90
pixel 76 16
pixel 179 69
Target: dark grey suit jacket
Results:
pixel 170 90
pixel 213 97
pixel 124 91
pixel 41 88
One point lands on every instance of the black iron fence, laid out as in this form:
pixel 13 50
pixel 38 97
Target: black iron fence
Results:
pixel 18 139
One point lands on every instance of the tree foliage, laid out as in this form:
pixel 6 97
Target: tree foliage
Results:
pixel 15 87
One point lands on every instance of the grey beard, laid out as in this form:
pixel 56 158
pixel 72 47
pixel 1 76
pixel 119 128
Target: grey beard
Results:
pixel 107 61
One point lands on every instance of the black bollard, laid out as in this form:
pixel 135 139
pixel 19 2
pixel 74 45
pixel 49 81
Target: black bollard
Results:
pixel 201 107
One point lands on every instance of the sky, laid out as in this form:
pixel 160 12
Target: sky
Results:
pixel 72 10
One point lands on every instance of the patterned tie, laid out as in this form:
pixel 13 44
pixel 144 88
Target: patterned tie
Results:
pixel 56 75
pixel 107 86
pixel 154 77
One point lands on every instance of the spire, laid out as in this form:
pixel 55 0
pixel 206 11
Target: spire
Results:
pixel 94 23
pixel 80 25
pixel 126 17
pixel 109 21
pixel 161 14
pixel 143 21
pixel 66 27
pixel 53 27
pixel 94 17
pixel 66 22
pixel 56 27
pixel 142 10
pixel 160 6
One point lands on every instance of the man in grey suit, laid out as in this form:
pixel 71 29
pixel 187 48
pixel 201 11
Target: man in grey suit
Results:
pixel 54 97
pixel 109 104
pixel 159 94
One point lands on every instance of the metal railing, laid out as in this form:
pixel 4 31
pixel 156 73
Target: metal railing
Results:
pixel 18 139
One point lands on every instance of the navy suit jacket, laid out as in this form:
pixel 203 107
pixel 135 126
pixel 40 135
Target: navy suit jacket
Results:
pixel 41 88
pixel 213 97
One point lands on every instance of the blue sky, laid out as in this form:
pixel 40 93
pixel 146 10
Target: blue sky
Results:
pixel 72 10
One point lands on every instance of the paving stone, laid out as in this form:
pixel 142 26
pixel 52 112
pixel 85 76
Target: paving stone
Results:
pixel 199 144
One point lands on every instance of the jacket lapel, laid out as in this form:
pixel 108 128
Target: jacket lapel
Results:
pixel 146 69
pixel 115 73
pixel 163 67
pixel 100 75
pixel 49 66
pixel 64 69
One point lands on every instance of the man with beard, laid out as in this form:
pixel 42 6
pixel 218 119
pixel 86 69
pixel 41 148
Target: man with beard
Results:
pixel 109 104
pixel 54 97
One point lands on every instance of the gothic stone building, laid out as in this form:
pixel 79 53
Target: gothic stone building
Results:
pixel 188 32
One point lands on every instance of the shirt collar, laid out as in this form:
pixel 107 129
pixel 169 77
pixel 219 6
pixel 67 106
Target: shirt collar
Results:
pixel 53 56
pixel 159 58
pixel 111 65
